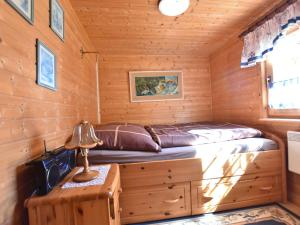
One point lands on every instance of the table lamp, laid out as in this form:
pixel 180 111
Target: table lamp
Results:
pixel 84 138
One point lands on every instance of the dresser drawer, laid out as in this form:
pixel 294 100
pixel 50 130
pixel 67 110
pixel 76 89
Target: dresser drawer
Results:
pixel 155 202
pixel 233 192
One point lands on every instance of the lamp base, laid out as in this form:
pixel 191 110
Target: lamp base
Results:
pixel 85 176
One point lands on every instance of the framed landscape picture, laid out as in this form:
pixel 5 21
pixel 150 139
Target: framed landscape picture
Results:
pixel 57 18
pixel 46 66
pixel 24 7
pixel 155 85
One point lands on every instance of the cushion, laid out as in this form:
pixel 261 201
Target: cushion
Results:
pixel 123 136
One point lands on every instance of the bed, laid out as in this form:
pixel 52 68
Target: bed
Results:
pixel 205 177
pixel 184 152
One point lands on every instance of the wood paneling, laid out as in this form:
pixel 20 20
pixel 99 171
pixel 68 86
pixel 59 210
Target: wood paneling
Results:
pixel 236 91
pixel 134 35
pixel 115 96
pixel 237 99
pixel 136 27
pixel 29 113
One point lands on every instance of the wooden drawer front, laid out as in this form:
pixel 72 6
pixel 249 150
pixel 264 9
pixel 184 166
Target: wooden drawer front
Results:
pixel 155 202
pixel 233 192
pixel 219 166
pixel 160 172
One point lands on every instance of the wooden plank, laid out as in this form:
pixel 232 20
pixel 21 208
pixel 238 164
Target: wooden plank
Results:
pixel 206 167
pixel 291 207
pixel 127 27
pixel 29 113
pixel 115 103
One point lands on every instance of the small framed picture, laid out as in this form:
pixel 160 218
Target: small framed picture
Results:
pixel 46 66
pixel 57 18
pixel 24 7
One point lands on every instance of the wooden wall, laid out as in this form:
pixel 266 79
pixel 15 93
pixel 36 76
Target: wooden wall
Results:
pixel 29 113
pixel 115 96
pixel 237 98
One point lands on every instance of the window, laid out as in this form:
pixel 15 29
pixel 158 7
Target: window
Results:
pixel 282 74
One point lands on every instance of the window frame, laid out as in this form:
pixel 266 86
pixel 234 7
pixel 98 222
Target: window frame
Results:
pixel 267 112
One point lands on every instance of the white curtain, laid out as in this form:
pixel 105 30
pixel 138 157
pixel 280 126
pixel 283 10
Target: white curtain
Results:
pixel 284 87
pixel 284 94
pixel 263 39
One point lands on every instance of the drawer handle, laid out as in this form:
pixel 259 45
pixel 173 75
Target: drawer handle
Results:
pixel 206 199
pixel 171 201
pixel 112 208
pixel 269 188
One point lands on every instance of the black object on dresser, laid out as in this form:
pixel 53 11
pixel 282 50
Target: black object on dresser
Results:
pixel 51 168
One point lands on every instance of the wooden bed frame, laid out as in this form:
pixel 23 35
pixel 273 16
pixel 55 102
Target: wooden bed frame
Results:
pixel 174 188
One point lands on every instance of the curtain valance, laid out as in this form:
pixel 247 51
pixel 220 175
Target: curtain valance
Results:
pixel 263 39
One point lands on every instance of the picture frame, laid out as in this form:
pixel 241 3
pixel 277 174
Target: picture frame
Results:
pixel 46 66
pixel 155 85
pixel 57 19
pixel 24 7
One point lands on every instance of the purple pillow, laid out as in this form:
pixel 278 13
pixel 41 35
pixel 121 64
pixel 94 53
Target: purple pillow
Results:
pixel 122 136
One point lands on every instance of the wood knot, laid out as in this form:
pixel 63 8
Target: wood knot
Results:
pixel 80 211
pixel 142 168
pixel 172 186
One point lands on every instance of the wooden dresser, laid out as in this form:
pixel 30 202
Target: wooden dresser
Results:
pixel 78 206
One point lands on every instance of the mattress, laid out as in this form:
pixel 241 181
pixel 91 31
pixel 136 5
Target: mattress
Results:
pixel 222 148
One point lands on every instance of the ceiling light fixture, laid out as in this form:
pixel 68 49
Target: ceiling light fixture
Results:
pixel 173 7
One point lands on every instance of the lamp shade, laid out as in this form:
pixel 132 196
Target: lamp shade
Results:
pixel 173 7
pixel 83 137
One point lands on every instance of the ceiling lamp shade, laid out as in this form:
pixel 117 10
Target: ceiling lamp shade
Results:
pixel 173 7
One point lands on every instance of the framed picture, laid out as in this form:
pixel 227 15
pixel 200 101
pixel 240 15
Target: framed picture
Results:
pixel 24 7
pixel 46 66
pixel 155 85
pixel 57 18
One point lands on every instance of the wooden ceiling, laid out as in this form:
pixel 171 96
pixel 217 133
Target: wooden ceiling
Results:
pixel 136 27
